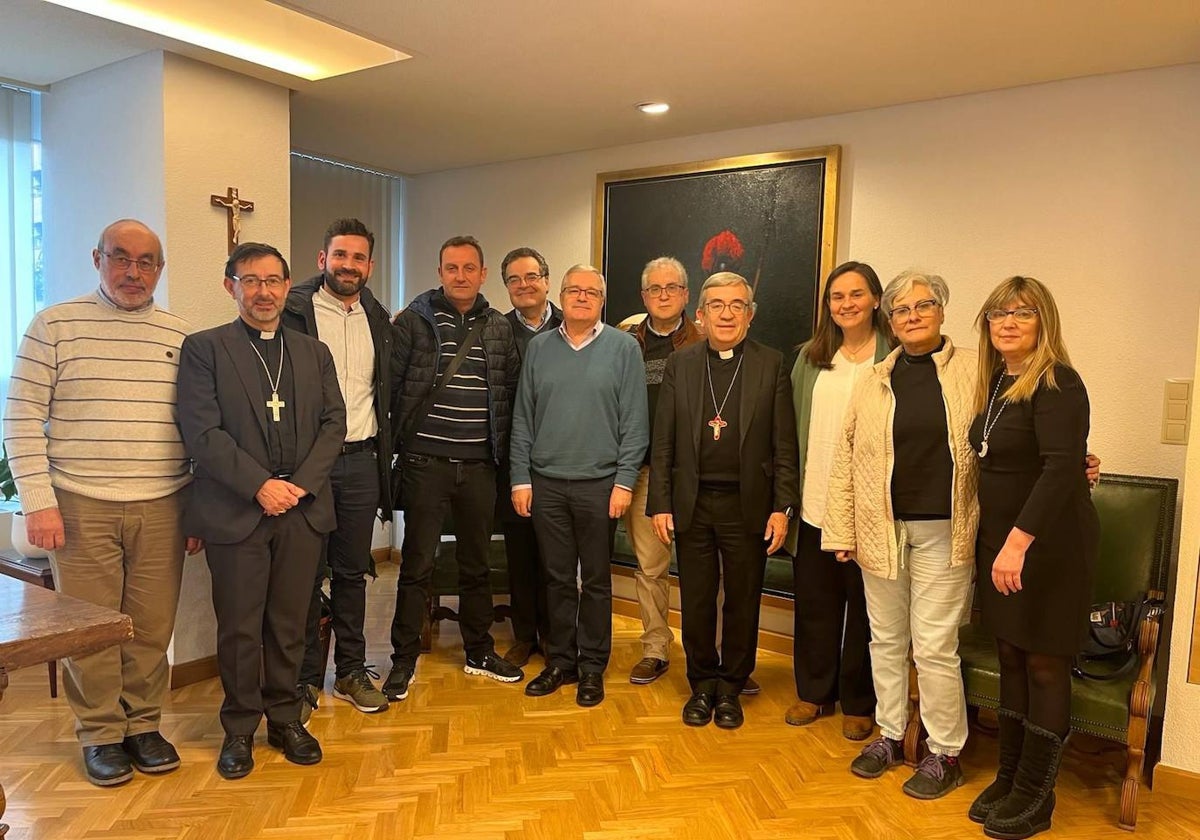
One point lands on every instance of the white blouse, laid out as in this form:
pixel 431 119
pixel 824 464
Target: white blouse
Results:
pixel 831 397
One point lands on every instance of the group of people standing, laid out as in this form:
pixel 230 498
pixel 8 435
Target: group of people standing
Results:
pixel 892 474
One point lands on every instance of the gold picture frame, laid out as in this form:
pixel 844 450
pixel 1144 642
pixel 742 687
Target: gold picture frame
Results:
pixel 771 217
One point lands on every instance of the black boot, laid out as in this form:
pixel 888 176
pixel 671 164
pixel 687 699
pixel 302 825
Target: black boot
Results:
pixel 1027 808
pixel 1012 734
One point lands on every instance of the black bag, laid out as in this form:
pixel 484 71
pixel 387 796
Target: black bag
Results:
pixel 1112 641
pixel 410 428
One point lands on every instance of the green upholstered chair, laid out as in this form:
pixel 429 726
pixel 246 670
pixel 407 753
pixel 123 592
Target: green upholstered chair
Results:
pixel 444 581
pixel 1137 522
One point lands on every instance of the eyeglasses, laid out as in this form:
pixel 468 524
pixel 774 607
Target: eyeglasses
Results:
pixel 252 282
pixel 923 308
pixel 671 290
pixel 527 279
pixel 577 291
pixel 145 265
pixel 717 307
pixel 1022 314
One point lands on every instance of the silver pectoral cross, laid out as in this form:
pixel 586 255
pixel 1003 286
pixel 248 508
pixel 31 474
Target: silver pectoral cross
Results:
pixel 716 424
pixel 275 404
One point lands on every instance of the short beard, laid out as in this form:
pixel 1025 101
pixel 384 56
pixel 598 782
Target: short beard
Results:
pixel 341 287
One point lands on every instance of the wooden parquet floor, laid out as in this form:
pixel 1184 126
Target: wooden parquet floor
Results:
pixel 466 757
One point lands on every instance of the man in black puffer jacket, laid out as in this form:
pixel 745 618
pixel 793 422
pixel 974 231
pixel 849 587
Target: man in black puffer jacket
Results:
pixel 449 449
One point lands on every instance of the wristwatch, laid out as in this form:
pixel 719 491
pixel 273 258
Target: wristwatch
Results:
pixel 789 512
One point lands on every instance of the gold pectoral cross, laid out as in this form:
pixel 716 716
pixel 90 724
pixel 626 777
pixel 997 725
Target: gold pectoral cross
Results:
pixel 716 424
pixel 275 404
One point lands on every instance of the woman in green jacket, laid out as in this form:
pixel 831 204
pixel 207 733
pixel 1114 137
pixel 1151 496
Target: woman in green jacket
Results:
pixel 830 656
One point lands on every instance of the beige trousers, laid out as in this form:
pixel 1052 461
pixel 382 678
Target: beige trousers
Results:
pixel 652 577
pixel 127 556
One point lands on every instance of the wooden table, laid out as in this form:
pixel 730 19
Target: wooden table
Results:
pixel 32 570
pixel 38 625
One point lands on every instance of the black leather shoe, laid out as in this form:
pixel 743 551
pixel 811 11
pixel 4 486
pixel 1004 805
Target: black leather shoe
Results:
pixel 107 765
pixel 728 712
pixel 698 711
pixel 237 756
pixel 151 752
pixel 299 747
pixel 591 689
pixel 549 681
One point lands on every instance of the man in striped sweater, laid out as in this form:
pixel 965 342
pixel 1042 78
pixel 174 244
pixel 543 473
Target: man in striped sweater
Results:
pixel 452 436
pixel 90 427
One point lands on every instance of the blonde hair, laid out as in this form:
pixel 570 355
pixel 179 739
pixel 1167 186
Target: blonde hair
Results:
pixel 1048 352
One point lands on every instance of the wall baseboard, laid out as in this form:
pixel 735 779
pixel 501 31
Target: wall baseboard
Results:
pixel 1176 782
pixel 767 640
pixel 385 554
pixel 198 670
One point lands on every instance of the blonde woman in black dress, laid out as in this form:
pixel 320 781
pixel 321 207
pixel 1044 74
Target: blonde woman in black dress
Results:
pixel 1037 544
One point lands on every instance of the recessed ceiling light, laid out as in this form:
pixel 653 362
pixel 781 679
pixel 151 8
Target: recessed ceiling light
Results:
pixel 257 31
pixel 653 107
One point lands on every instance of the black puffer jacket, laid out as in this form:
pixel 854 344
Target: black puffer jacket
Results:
pixel 419 352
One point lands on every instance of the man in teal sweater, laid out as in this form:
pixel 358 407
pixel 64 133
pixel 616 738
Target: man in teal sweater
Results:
pixel 580 431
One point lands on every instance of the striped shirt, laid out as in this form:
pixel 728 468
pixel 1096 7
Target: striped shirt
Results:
pixel 91 404
pixel 457 425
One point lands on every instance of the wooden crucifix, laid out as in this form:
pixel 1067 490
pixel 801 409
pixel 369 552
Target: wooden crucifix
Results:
pixel 235 207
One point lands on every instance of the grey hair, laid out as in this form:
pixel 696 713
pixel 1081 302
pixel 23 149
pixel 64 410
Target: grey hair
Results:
pixel 664 262
pixel 727 278
pixel 903 283
pixel 584 268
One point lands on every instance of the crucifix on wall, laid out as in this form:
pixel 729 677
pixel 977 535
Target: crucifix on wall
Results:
pixel 234 207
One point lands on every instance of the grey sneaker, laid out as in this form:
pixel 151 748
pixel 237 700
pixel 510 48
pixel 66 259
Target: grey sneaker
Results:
pixel 309 701
pixel 395 687
pixel 877 757
pixel 357 689
pixel 935 776
pixel 493 666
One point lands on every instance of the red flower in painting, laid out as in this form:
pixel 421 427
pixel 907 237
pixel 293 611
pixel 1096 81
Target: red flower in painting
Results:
pixel 722 253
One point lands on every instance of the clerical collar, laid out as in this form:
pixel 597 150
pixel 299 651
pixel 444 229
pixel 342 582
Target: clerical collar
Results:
pixel 255 332
pixel 650 326
pixel 726 355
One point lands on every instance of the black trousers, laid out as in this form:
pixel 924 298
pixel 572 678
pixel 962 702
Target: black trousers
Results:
pixel 575 535
pixel 355 483
pixel 260 592
pixel 831 655
pixel 467 489
pixel 718 545
pixel 526 579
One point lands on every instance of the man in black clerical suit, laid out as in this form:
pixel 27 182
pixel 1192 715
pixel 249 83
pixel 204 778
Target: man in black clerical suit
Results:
pixel 724 482
pixel 263 421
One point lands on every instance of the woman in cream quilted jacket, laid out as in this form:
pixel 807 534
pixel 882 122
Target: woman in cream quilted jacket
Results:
pixel 902 502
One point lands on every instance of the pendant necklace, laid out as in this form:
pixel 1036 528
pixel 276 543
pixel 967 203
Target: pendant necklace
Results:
pixel 989 422
pixel 274 403
pixel 716 424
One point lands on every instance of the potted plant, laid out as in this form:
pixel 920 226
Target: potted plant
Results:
pixel 8 489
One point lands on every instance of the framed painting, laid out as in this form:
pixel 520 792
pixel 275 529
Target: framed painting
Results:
pixel 771 218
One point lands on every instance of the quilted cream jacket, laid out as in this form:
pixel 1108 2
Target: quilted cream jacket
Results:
pixel 858 515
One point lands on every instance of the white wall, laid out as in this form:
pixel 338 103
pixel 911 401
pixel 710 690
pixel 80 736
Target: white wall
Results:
pixel 1182 719
pixel 103 161
pixel 1089 185
pixel 220 129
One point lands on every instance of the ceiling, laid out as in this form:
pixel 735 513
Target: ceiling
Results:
pixel 493 81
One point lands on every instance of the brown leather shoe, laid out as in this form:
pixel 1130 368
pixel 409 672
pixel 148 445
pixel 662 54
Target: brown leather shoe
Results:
pixel 648 670
pixel 857 727
pixel 803 713
pixel 519 653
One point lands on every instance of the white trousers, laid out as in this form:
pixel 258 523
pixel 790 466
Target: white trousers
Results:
pixel 925 604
